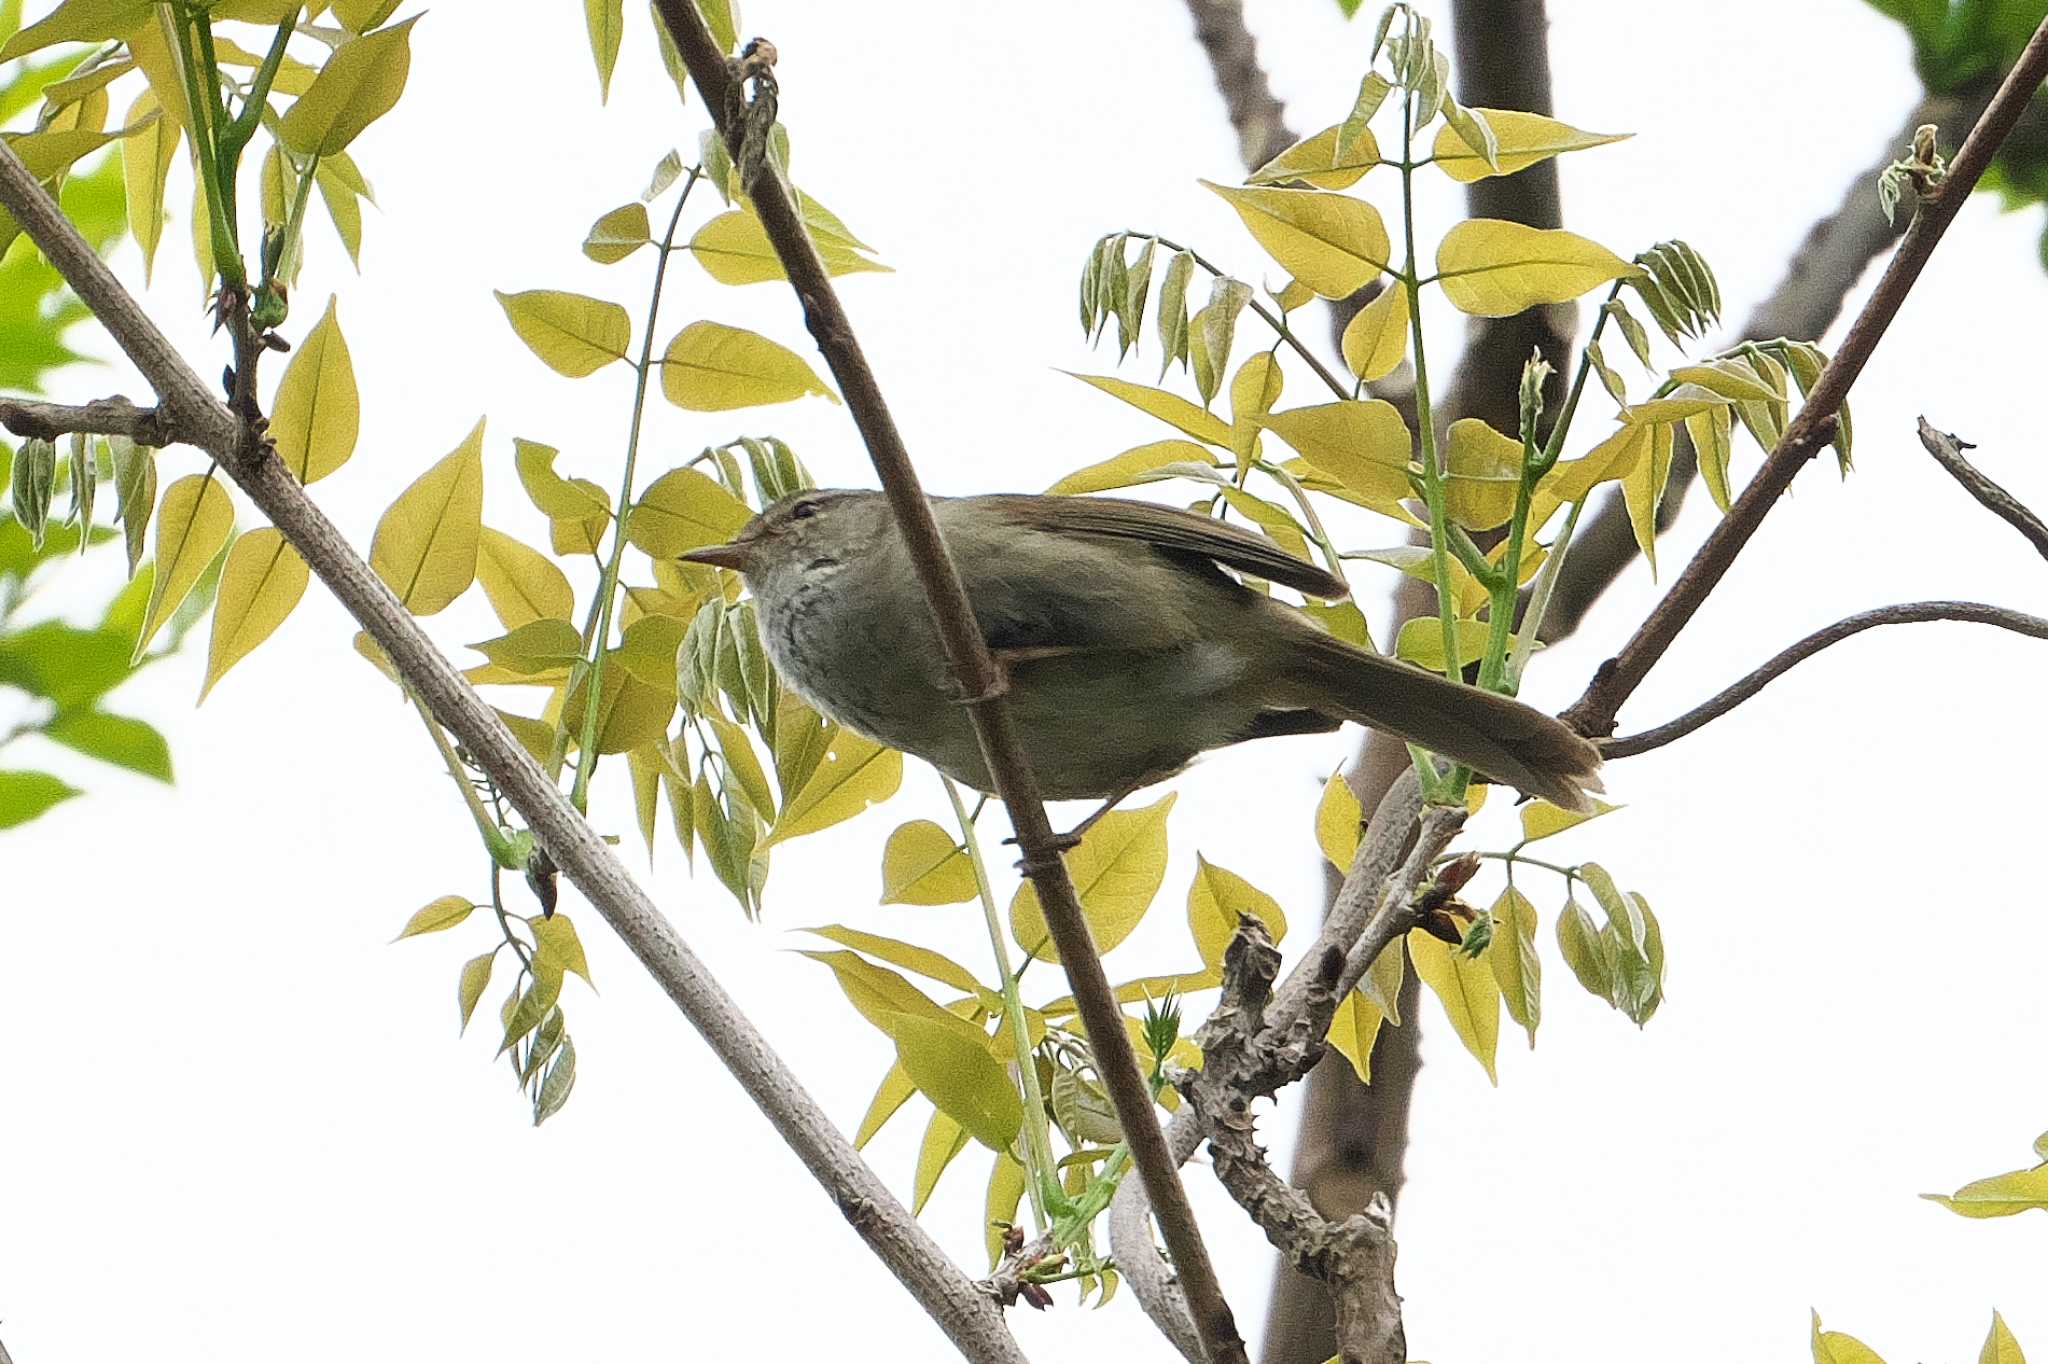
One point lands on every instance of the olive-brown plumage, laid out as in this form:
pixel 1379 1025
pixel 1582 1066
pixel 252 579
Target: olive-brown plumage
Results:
pixel 1127 648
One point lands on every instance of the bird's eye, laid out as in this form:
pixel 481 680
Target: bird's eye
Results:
pixel 802 510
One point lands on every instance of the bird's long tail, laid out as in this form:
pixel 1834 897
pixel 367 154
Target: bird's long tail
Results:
pixel 1498 736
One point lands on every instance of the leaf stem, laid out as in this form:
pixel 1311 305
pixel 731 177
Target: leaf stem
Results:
pixel 494 838
pixel 608 584
pixel 1040 1180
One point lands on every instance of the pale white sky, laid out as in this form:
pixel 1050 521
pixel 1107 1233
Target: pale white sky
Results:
pixel 239 1126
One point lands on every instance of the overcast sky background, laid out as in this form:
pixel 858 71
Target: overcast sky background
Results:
pixel 239 1126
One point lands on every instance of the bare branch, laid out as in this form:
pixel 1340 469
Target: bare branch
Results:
pixel 1829 263
pixel 968 1316
pixel 1948 453
pixel 973 670
pixel 114 416
pixel 1617 678
pixel 1728 699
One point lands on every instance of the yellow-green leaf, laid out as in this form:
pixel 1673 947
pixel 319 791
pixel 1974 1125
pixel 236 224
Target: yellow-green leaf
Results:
pixel 1333 244
pixel 317 412
pixel 1253 392
pixel 1318 161
pixel 629 712
pixel 710 367
pixel 1421 642
pixel 684 509
pixel 1339 821
pixel 556 948
pixel 1216 897
pixel 1834 1347
pixel 192 523
pixel 573 334
pixel 1574 479
pixel 606 21
pixel 557 498
pixel 1120 471
pixel 1362 445
pixel 1376 339
pixel 1686 400
pixel 1516 967
pixel 961 1079
pixel 1170 408
pixel 856 772
pixel 1642 488
pixel 1998 1196
pixel 145 167
pixel 1005 1192
pixel 1493 268
pixel 470 986
pixel 1469 994
pixel 734 249
pixel 1541 819
pixel 740 759
pixel 357 86
pixel 894 1091
pixel 1116 871
pixel 1485 470
pixel 543 645
pixel 1384 978
pixel 522 583
pixel 1522 140
pixel 1353 1029
pixel 262 581
pixel 436 915
pixel 619 233
pixel 933 965
pixel 644 765
pixel 881 996
pixel 425 547
pixel 1999 1346
pixel 943 1140
pixel 78 21
pixel 922 864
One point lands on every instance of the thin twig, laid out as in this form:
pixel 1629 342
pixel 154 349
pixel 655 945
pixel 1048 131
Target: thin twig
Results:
pixel 968 1317
pixel 1907 614
pixel 1617 678
pixel 1948 453
pixel 974 673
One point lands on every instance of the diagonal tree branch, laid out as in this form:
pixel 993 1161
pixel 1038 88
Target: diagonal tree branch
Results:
pixel 1737 692
pixel 968 656
pixel 1948 453
pixel 1255 112
pixel 188 408
pixel 1617 678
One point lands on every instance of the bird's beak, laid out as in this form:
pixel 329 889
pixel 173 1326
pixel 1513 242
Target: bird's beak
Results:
pixel 734 555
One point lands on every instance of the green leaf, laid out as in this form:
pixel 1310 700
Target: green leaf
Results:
pixel 1005 1192
pixel 1998 1196
pixel 909 956
pixel 606 21
pixel 1216 897
pixel 68 666
pixel 557 498
pixel 1516 967
pixel 532 1006
pixel 710 367
pixel 740 760
pixel 894 1091
pixel 1353 1029
pixel 734 249
pixel 856 772
pixel 78 21
pixel 1467 990
pixel 1116 871
pixel 425 546
pixel 1333 244
pixel 556 1083
pixel 522 583
pixel 1999 1346
pixel 1421 642
pixel 1375 341
pixel 960 1078
pixel 1642 490
pixel 261 583
pixel 1585 951
pixel 471 984
pixel 629 712
pixel 547 642
pixel 1541 819
pixel 25 795
pixel 943 1140
pixel 194 522
pixel 1489 267
pixel 684 509
pixel 1170 408
pixel 135 489
pixel 1339 822
pixel 317 412
pixel 435 916
pixel 1833 1347
pixel 145 167
pixel 619 233
pixel 1521 140
pixel 556 947
pixel 1121 471
pixel 357 86
pixel 1364 446
pixel 573 334
pixel 922 864
pixel 118 739
pixel 1318 161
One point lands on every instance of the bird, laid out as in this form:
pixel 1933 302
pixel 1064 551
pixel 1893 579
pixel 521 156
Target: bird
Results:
pixel 1125 643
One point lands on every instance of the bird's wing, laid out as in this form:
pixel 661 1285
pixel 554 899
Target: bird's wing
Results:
pixel 1174 530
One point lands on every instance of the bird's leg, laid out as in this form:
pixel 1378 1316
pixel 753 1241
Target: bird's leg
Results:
pixel 1071 839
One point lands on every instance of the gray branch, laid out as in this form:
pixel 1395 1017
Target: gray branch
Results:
pixel 2019 622
pixel 968 1316
pixel 1948 453
pixel 114 416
